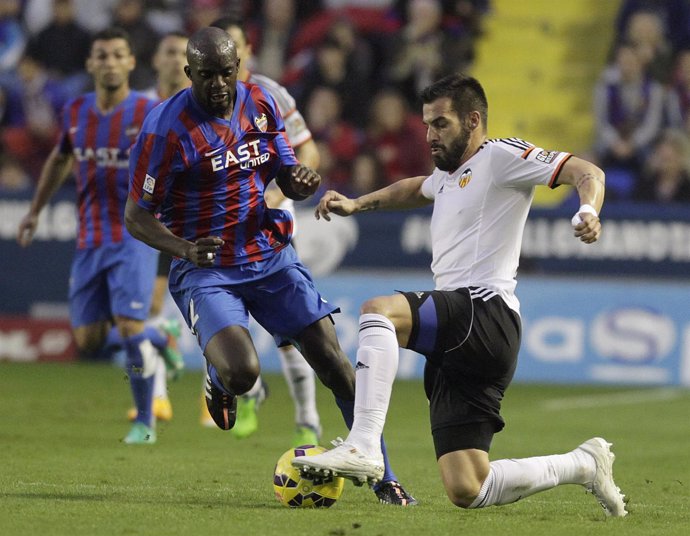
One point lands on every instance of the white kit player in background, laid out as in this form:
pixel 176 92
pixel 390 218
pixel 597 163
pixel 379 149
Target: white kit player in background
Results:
pixel 468 328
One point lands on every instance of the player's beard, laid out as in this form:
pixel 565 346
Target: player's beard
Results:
pixel 449 159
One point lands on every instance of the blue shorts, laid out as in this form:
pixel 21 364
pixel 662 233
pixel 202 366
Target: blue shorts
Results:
pixel 112 280
pixel 282 297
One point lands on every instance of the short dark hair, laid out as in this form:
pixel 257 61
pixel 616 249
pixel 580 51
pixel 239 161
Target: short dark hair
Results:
pixel 466 93
pixel 114 32
pixel 225 22
pixel 174 33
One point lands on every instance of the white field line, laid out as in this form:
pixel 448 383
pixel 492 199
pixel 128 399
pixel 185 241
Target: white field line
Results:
pixel 613 399
pixel 113 487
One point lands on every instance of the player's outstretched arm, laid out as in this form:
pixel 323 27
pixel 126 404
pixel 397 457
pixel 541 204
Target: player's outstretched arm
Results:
pixel 144 226
pixel 589 180
pixel 403 194
pixel 53 175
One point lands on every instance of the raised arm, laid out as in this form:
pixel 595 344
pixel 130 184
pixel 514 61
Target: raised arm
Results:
pixel 589 181
pixel 403 194
pixel 53 175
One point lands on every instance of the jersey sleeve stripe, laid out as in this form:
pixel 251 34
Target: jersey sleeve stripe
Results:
pixel 514 142
pixel 527 153
pixel 554 178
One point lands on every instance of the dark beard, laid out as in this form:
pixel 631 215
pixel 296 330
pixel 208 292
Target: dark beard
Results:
pixel 450 159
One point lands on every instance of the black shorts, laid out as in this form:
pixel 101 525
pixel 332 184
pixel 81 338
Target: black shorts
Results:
pixel 471 346
pixel 164 261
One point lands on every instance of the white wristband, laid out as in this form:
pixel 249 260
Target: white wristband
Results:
pixel 587 209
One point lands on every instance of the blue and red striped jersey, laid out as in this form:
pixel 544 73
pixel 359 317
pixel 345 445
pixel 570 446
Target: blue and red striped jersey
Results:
pixel 206 176
pixel 100 144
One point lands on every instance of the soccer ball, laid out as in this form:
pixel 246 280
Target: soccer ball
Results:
pixel 293 490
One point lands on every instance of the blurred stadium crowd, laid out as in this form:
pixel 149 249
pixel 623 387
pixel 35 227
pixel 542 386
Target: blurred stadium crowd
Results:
pixel 355 68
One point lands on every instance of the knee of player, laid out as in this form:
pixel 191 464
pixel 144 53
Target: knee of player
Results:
pixel 242 379
pixel 129 327
pixel 462 495
pixel 379 306
pixel 88 344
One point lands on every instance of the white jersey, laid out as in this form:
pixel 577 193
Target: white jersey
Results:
pixel 295 125
pixel 480 212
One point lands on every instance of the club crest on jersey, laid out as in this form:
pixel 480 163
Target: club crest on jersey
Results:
pixel 465 178
pixel 149 184
pixel 261 122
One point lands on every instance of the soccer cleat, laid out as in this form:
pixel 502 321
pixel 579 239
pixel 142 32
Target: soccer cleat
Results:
pixel 305 434
pixel 221 406
pixel 603 487
pixel 140 434
pixel 247 420
pixel 174 360
pixel 344 460
pixel 162 410
pixel 392 492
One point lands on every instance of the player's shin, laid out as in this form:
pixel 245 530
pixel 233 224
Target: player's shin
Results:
pixel 377 364
pixel 510 480
pixel 300 379
pixel 141 365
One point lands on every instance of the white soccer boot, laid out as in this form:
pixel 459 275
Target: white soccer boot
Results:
pixel 344 460
pixel 603 487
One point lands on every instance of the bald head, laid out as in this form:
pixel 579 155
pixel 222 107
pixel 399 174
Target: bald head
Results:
pixel 213 67
pixel 210 42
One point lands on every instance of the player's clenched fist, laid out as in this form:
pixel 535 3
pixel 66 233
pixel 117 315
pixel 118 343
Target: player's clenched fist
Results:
pixel 305 181
pixel 27 228
pixel 203 251
pixel 298 182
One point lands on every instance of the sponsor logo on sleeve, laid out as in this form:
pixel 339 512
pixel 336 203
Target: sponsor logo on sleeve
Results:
pixel 149 184
pixel 547 156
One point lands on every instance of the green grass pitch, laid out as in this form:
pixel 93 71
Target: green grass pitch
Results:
pixel 65 471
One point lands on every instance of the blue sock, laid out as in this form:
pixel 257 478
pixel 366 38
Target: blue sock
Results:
pixel 113 339
pixel 347 408
pixel 140 379
pixel 388 474
pixel 215 380
pixel 156 336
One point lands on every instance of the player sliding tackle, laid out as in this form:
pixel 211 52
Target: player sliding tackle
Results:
pixel 468 328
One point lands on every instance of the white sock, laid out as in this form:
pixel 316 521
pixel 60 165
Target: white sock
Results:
pixel 160 379
pixel 511 480
pixel 377 364
pixel 300 380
